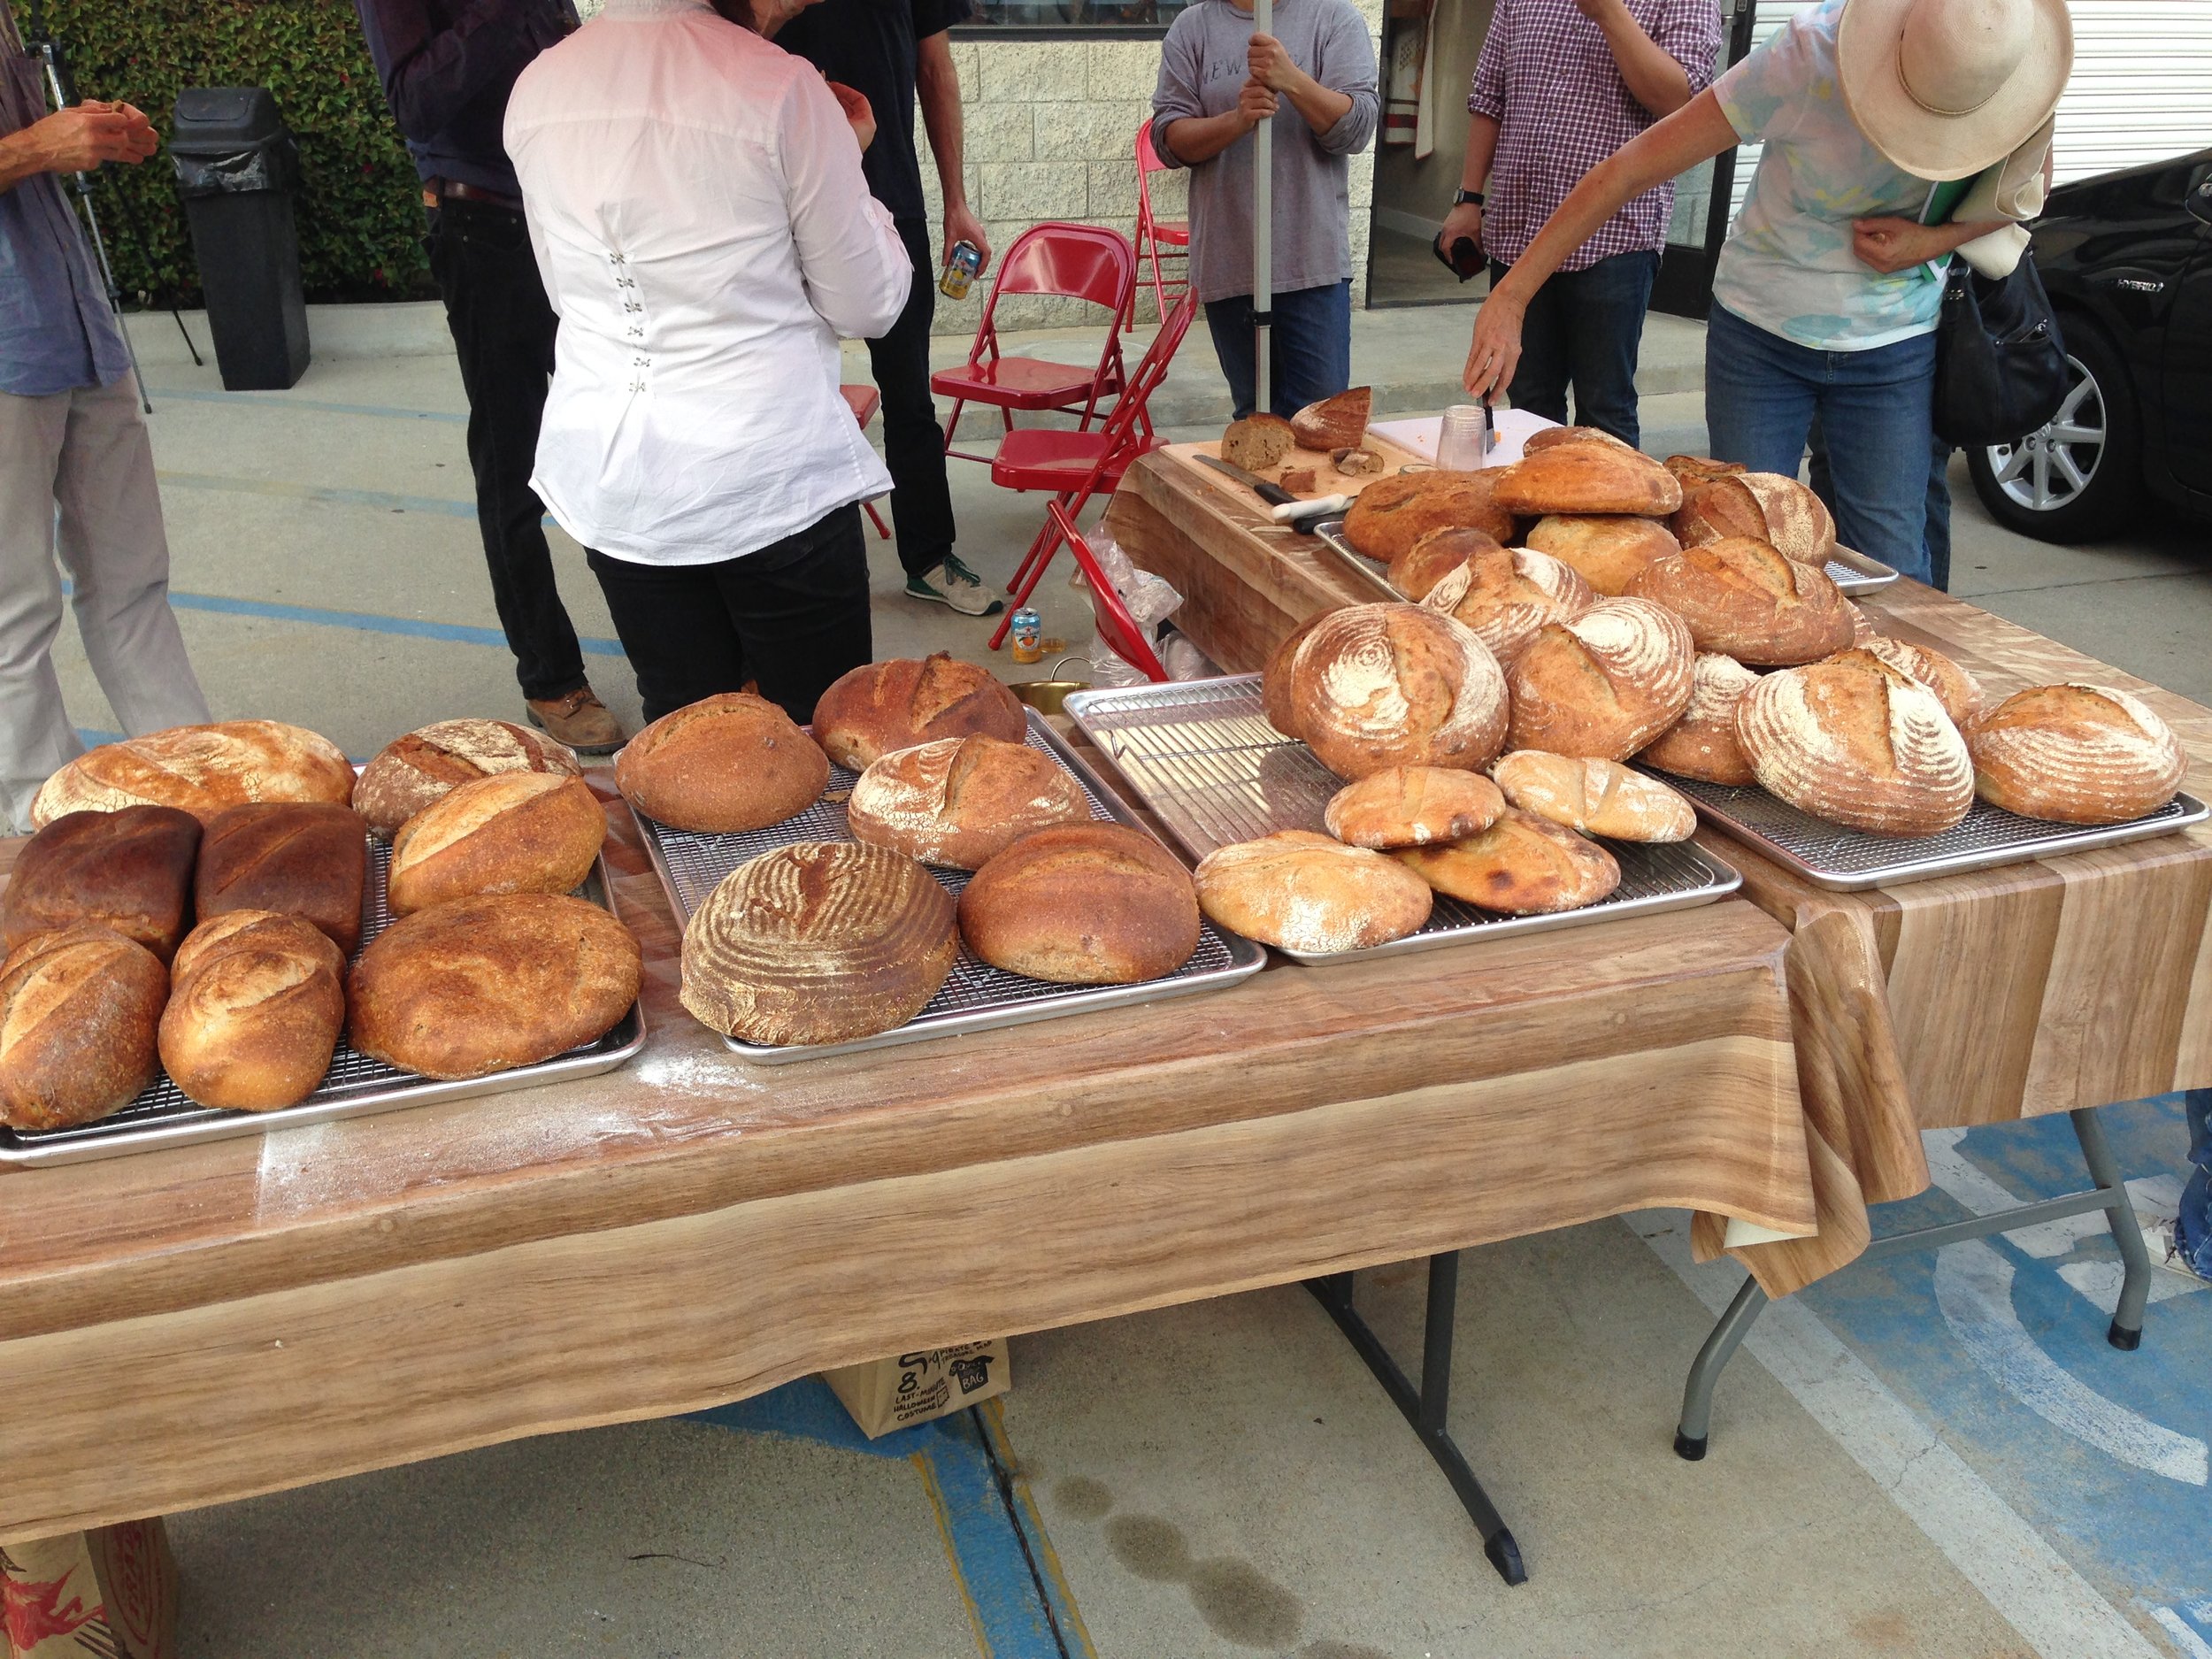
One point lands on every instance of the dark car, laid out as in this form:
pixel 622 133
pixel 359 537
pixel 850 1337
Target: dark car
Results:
pixel 2127 259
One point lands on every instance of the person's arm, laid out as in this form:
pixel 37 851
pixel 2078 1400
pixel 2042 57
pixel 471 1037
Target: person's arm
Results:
pixel 432 74
pixel 856 270
pixel 1465 218
pixel 1272 66
pixel 1196 138
pixel 75 140
pixel 937 88
pixel 1898 245
pixel 1652 78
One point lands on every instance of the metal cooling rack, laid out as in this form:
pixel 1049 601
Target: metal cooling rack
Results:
pixel 1209 766
pixel 1846 860
pixel 975 995
pixel 356 1086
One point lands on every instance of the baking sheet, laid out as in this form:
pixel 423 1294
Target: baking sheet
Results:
pixel 1848 860
pixel 975 996
pixel 1207 763
pixel 356 1085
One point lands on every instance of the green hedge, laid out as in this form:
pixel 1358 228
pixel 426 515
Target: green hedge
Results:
pixel 360 218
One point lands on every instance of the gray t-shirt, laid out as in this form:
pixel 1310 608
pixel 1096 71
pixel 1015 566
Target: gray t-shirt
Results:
pixel 1202 67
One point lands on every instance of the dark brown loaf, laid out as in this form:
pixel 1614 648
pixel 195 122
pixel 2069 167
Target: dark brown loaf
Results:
pixel 1703 744
pixel 960 801
pixel 2077 755
pixel 1522 865
pixel 1766 506
pixel 130 868
pixel 1335 423
pixel 1604 683
pixel 1507 594
pixel 1582 478
pixel 1608 550
pixel 1958 691
pixel 818 942
pixel 1853 740
pixel 1303 892
pixel 1744 600
pixel 879 708
pixel 79 1011
pixel 1391 514
pixel 1255 443
pixel 1416 572
pixel 726 762
pixel 258 1002
pixel 411 772
pixel 202 769
pixel 519 831
pixel 295 858
pixel 486 984
pixel 1412 806
pixel 1082 904
pixel 1377 686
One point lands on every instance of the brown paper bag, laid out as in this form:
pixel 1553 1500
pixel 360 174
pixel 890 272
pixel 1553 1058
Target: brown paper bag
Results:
pixel 111 1591
pixel 932 1382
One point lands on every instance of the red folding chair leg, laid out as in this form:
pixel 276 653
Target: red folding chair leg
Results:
pixel 1030 571
pixel 876 518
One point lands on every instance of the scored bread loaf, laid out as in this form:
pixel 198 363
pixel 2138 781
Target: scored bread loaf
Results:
pixel 1082 904
pixel 1598 797
pixel 1862 625
pixel 1275 703
pixel 960 800
pixel 1522 865
pixel 1606 550
pixel 1552 437
pixel 1335 423
pixel 880 708
pixel 1416 572
pixel 1958 691
pixel 78 1013
pixel 1703 744
pixel 412 771
pixel 726 762
pixel 1391 514
pixel 818 942
pixel 1377 686
pixel 1411 806
pixel 297 858
pixel 254 1012
pixel 1853 740
pixel 485 984
pixel 1255 443
pixel 1772 509
pixel 517 831
pixel 1604 683
pixel 1695 469
pixel 1744 600
pixel 201 769
pixel 130 868
pixel 2077 755
pixel 1507 594
pixel 1303 892
pixel 1582 478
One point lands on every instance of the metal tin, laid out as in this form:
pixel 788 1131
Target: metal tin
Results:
pixel 1208 765
pixel 356 1086
pixel 1847 860
pixel 960 267
pixel 1026 634
pixel 975 996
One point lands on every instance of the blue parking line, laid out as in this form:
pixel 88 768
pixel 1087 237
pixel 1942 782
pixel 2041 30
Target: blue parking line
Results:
pixel 286 401
pixel 362 621
pixel 329 494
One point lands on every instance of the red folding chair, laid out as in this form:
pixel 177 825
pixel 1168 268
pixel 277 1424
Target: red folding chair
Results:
pixel 1155 234
pixel 1075 466
pixel 863 401
pixel 1083 262
pixel 1120 630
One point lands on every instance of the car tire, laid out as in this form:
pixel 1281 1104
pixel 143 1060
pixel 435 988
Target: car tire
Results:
pixel 2074 479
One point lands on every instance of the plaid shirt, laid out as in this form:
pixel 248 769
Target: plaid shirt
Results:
pixel 1548 78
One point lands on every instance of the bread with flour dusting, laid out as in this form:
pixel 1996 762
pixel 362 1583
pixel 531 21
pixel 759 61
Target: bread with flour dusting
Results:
pixel 1608 550
pixel 201 770
pixel 1703 744
pixel 1776 509
pixel 1300 891
pixel 1604 683
pixel 409 773
pixel 960 801
pixel 1416 572
pixel 1855 741
pixel 1377 685
pixel 1958 691
pixel 1506 595
pixel 1412 806
pixel 1522 865
pixel 1597 797
pixel 1743 599
pixel 2077 755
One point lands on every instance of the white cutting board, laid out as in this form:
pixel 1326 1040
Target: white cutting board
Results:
pixel 1515 427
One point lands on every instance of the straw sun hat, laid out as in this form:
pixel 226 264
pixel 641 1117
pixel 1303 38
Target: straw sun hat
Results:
pixel 1946 87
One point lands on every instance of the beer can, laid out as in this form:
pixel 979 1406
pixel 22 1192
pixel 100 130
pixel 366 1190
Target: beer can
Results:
pixel 1026 629
pixel 960 270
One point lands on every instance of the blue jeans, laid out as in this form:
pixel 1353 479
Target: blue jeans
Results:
pixel 1935 535
pixel 1583 328
pixel 2193 1232
pixel 1310 345
pixel 1763 394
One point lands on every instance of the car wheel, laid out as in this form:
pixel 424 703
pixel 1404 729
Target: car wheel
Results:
pixel 2074 478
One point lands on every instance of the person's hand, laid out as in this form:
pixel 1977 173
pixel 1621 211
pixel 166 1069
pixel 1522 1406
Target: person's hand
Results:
pixel 80 138
pixel 857 111
pixel 1496 350
pixel 1463 220
pixel 1269 62
pixel 961 225
pixel 1897 244
pixel 1255 104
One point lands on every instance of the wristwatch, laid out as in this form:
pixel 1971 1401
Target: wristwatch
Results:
pixel 1468 198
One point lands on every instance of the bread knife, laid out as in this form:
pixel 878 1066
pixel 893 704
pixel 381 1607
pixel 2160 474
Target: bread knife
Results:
pixel 1285 507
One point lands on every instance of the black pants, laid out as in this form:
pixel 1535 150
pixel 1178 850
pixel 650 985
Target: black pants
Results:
pixel 913 443
pixel 503 329
pixel 793 617
pixel 1583 328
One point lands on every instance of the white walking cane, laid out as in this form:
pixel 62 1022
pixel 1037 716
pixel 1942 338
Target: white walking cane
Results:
pixel 1262 231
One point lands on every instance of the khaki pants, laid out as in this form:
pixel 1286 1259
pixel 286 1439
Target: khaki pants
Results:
pixel 77 480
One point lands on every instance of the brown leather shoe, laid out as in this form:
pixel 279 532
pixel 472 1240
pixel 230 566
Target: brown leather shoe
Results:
pixel 580 720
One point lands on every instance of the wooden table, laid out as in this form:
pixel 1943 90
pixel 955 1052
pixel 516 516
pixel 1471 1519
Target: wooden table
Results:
pixel 189 1326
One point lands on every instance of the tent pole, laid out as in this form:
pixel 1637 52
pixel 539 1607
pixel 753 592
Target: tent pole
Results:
pixel 1262 233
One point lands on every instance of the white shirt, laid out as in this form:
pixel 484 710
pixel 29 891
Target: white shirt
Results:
pixel 695 200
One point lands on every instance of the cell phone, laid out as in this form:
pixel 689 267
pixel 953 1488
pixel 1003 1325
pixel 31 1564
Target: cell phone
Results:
pixel 1464 261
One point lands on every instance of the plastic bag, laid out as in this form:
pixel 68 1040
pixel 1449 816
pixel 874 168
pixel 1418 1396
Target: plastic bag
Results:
pixel 1150 601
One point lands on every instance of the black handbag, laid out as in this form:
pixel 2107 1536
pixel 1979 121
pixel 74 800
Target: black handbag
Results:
pixel 2001 361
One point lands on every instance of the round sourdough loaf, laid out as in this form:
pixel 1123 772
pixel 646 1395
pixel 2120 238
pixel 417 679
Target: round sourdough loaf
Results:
pixel 1522 865
pixel 1695 469
pixel 1587 477
pixel 1082 904
pixel 1744 600
pixel 1766 506
pixel 1598 797
pixel 1300 891
pixel 1391 514
pixel 1255 443
pixel 130 868
pixel 1703 744
pixel 1853 740
pixel 519 831
pixel 1862 625
pixel 486 984
pixel 961 800
pixel 726 762
pixel 1377 686
pixel 78 1013
pixel 409 773
pixel 1412 806
pixel 1434 556
pixel 818 942
pixel 880 708
pixel 1335 423
pixel 1958 691
pixel 309 860
pixel 201 769
pixel 1606 550
pixel 1508 593
pixel 1604 683
pixel 258 1001
pixel 2076 755
pixel 1552 437
pixel 1275 678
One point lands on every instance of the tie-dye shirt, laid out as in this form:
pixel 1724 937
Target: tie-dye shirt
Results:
pixel 1787 266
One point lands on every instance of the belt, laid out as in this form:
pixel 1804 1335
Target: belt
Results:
pixel 454 190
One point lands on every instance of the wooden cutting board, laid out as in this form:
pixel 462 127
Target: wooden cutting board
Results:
pixel 1326 480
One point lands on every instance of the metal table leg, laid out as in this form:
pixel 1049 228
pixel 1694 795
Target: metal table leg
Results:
pixel 1425 1407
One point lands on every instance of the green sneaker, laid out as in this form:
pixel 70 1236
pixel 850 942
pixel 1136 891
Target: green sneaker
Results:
pixel 953 583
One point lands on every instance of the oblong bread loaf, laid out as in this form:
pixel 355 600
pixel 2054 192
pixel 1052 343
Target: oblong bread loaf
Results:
pixel 1506 595
pixel 1434 556
pixel 1853 740
pixel 1522 865
pixel 199 768
pixel 1958 691
pixel 1335 423
pixel 1377 686
pixel 1604 683
pixel 726 762
pixel 1391 514
pixel 2075 754
pixel 130 868
pixel 515 832
pixel 303 859
pixel 1744 600
pixel 879 708
pixel 1587 477
pixel 409 773
pixel 962 799
pixel 1703 744
pixel 1776 509
pixel 256 1012
pixel 1597 797
pixel 1300 891
pixel 1607 550
pixel 1412 806
pixel 79 1012
pixel 1082 904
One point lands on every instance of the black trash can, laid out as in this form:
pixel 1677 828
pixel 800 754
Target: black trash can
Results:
pixel 236 170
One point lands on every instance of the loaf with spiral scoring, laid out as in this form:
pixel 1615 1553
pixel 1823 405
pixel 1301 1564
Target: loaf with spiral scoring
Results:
pixel 1377 685
pixel 1853 740
pixel 1506 595
pixel 1604 683
pixel 1703 744
pixel 2076 755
